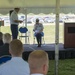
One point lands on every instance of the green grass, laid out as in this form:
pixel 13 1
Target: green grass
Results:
pixel 66 67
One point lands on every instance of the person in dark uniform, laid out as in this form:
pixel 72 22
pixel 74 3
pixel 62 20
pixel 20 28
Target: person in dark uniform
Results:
pixel 38 29
pixel 4 49
pixel 1 41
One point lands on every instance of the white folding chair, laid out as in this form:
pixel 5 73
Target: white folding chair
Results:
pixel 24 33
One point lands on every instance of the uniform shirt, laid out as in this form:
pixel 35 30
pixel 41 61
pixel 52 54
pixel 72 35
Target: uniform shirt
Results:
pixel 38 27
pixel 13 17
pixel 15 66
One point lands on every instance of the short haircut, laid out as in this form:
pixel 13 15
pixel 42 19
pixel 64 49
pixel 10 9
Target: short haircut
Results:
pixel 6 38
pixel 17 8
pixel 37 59
pixel 16 47
pixel 37 20
pixel 1 35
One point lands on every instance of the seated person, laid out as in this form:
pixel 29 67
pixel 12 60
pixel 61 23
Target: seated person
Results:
pixel 38 62
pixel 38 28
pixel 15 66
pixel 4 49
pixel 1 41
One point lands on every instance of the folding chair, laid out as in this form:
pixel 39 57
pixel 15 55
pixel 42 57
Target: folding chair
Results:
pixel 24 33
pixel 42 34
pixel 4 58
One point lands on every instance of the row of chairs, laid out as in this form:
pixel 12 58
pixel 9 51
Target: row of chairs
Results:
pixel 25 34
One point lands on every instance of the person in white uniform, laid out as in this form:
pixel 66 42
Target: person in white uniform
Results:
pixel 14 21
pixel 38 29
pixel 15 66
pixel 38 62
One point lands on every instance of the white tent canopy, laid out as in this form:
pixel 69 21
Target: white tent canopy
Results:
pixel 34 3
pixel 38 10
pixel 37 6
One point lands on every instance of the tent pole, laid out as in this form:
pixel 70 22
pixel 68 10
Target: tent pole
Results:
pixel 57 37
pixel 25 25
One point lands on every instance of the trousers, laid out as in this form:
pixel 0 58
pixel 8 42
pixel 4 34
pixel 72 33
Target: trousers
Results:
pixel 38 37
pixel 14 31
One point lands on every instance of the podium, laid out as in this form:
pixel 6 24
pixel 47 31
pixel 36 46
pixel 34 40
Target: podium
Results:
pixel 69 35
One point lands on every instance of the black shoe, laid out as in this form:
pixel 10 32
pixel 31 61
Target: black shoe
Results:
pixel 39 45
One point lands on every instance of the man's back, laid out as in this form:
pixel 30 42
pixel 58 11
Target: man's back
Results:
pixel 16 66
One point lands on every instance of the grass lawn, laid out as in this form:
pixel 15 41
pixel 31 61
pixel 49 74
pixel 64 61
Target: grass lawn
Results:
pixel 66 67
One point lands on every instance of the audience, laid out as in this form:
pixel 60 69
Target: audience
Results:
pixel 4 49
pixel 15 66
pixel 38 62
pixel 1 41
